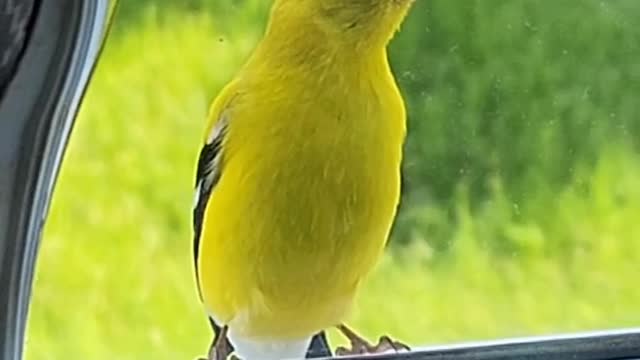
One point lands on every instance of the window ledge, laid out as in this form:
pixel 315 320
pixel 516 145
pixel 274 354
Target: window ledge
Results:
pixel 605 345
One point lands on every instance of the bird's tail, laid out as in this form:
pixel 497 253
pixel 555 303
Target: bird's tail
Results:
pixel 319 347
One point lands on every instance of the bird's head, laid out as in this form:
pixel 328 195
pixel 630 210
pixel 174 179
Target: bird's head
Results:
pixel 348 21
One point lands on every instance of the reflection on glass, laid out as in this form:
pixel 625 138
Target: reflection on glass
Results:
pixel 521 180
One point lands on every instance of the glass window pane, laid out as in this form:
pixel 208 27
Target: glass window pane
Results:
pixel 520 191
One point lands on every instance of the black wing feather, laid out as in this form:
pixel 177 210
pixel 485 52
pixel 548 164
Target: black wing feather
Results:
pixel 207 176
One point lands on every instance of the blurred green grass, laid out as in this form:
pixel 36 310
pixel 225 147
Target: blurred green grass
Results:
pixel 522 190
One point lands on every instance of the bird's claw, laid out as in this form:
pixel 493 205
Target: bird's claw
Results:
pixel 230 357
pixel 385 345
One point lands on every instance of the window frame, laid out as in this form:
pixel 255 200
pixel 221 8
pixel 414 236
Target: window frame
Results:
pixel 38 107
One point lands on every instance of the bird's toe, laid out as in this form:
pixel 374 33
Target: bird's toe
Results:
pixel 386 344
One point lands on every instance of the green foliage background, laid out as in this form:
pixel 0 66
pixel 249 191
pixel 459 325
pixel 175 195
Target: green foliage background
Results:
pixel 521 178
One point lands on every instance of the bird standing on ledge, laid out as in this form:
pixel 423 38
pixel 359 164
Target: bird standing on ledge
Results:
pixel 298 179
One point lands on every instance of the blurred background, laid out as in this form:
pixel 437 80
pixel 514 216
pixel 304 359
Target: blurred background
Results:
pixel 521 178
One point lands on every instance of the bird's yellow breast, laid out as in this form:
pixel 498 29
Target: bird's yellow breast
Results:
pixel 309 188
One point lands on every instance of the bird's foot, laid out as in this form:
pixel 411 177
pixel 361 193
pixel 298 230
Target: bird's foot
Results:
pixel 231 356
pixel 220 348
pixel 360 346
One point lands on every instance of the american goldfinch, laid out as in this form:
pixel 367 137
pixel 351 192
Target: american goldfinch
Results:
pixel 298 179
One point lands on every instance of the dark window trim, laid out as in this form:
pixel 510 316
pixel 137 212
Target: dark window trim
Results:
pixel 16 22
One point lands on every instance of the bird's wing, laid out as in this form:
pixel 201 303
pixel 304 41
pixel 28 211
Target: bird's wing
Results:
pixel 207 175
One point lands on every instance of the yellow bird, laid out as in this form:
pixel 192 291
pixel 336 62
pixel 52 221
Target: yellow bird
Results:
pixel 298 179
